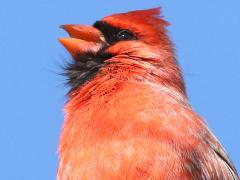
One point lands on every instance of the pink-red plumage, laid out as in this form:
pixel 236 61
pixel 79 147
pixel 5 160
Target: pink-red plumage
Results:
pixel 132 120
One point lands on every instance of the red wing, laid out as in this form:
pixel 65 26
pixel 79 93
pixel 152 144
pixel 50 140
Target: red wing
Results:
pixel 228 170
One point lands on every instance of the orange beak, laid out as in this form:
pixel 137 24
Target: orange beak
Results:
pixel 82 39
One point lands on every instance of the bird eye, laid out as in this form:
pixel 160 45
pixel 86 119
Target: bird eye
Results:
pixel 125 35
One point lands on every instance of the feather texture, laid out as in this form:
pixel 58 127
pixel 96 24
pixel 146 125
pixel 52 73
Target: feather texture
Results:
pixel 132 119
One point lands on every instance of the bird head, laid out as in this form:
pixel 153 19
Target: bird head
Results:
pixel 126 41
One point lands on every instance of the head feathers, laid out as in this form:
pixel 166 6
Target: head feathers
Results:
pixel 146 24
pixel 149 16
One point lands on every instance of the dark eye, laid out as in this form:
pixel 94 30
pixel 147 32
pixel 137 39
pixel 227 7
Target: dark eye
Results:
pixel 125 35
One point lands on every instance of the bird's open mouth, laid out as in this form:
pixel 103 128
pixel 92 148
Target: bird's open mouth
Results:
pixel 86 44
pixel 82 39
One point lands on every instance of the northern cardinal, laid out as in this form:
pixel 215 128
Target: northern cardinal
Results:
pixel 128 116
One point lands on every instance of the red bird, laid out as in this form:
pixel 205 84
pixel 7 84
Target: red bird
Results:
pixel 128 116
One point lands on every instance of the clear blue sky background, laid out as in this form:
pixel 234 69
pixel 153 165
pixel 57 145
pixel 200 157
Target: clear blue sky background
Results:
pixel 32 94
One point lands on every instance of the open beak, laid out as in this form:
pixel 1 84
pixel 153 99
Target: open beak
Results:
pixel 82 39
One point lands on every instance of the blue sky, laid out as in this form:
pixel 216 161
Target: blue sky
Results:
pixel 206 35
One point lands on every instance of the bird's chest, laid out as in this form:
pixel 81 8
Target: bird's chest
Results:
pixel 132 133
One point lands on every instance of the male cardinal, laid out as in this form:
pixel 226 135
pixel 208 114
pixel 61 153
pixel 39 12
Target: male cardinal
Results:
pixel 128 116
